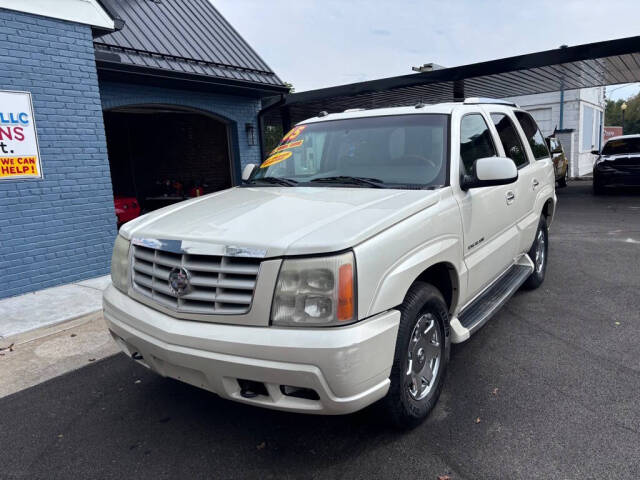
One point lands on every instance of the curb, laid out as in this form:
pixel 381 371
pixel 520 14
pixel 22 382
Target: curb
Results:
pixel 48 330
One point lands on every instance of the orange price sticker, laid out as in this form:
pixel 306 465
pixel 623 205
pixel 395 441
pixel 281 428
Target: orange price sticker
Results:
pixel 287 145
pixel 277 158
pixel 293 133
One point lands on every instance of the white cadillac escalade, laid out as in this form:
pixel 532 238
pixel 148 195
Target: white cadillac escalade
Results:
pixel 341 270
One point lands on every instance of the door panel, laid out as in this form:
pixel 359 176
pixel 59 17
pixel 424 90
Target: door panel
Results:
pixel 490 235
pixel 528 184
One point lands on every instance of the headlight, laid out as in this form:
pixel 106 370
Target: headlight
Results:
pixel 120 264
pixel 316 292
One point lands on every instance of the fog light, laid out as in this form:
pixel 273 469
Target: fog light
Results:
pixel 299 392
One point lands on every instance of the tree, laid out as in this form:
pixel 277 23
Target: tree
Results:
pixel 273 133
pixel 613 114
pixel 272 136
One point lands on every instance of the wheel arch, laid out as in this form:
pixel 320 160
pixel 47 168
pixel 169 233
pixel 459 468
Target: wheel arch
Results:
pixel 437 262
pixel 549 210
pixel 444 277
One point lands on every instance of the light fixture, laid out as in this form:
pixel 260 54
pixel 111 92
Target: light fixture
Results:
pixel 251 134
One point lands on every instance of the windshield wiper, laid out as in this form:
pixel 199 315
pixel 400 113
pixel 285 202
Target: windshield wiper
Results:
pixel 369 182
pixel 288 182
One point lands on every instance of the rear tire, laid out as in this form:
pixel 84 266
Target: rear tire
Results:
pixel 421 357
pixel 563 181
pixel 538 254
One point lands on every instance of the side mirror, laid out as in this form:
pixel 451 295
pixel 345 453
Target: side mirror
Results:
pixel 595 152
pixel 491 171
pixel 247 171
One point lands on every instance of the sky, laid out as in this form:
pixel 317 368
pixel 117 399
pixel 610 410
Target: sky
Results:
pixel 321 43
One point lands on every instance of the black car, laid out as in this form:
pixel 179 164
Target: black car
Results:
pixel 618 164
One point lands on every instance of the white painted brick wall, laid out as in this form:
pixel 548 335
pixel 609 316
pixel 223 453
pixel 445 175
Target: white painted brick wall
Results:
pixel 580 162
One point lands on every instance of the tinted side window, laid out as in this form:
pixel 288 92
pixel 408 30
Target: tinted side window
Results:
pixel 532 132
pixel 475 141
pixel 510 139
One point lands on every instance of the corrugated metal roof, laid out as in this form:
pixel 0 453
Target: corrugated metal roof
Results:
pixel 580 66
pixel 184 36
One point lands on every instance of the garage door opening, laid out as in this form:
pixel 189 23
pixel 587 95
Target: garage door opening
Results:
pixel 162 155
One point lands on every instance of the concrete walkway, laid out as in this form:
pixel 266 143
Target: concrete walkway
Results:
pixel 51 306
pixel 33 357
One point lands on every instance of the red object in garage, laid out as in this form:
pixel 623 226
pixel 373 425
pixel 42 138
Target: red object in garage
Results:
pixel 127 208
pixel 196 192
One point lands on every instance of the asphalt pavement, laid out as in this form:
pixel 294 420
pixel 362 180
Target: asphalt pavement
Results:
pixel 549 388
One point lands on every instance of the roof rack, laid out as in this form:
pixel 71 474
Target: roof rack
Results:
pixel 494 101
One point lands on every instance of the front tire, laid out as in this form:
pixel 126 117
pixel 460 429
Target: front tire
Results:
pixel 421 356
pixel 538 254
pixel 598 187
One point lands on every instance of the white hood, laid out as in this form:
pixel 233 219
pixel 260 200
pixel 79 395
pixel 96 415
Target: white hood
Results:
pixel 283 220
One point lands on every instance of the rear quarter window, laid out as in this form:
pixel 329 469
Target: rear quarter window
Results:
pixel 533 135
pixel 510 139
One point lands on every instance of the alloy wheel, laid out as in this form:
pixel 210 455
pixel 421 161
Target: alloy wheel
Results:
pixel 424 354
pixel 540 251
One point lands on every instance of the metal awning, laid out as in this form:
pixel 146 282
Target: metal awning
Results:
pixel 581 66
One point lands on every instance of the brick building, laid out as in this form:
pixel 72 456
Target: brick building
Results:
pixel 139 99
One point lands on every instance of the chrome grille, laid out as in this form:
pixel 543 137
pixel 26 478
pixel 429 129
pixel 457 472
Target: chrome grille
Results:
pixel 220 285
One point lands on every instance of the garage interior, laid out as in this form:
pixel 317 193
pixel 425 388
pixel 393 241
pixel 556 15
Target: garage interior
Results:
pixel 162 155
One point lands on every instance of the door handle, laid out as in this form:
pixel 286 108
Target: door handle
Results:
pixel 535 183
pixel 510 196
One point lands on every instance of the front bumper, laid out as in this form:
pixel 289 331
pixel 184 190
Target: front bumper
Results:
pixel 348 367
pixel 617 176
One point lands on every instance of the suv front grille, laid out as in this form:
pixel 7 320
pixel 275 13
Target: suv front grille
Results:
pixel 220 285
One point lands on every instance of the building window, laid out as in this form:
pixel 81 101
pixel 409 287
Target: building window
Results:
pixel 588 117
pixel 599 129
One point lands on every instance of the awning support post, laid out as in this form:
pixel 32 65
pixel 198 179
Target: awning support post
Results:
pixel 458 90
pixel 285 116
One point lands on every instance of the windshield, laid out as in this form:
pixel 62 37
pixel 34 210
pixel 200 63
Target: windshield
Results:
pixel 622 146
pixel 402 151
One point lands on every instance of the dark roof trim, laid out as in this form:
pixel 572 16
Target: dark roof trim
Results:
pixel 108 62
pixel 182 59
pixel 521 62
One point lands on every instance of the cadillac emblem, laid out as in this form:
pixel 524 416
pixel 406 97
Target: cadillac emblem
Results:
pixel 179 281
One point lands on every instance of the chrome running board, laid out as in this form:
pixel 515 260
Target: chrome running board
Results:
pixel 485 305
